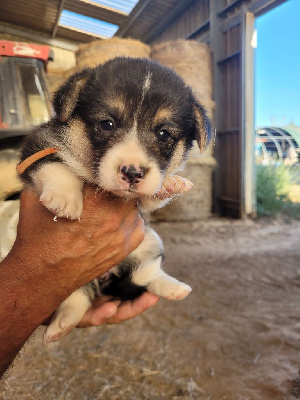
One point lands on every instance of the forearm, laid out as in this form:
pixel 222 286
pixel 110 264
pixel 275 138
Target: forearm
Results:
pixel 50 260
pixel 26 300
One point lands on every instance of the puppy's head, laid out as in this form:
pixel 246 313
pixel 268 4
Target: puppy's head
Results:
pixel 140 120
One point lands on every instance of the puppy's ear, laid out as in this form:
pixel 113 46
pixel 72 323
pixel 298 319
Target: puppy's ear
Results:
pixel 203 126
pixel 67 95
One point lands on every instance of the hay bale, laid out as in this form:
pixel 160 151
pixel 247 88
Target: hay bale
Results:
pixel 54 81
pixel 100 51
pixel 63 61
pixel 192 61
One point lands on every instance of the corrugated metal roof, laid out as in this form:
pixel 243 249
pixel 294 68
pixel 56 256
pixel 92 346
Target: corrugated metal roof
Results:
pixel 120 5
pixel 136 19
pixel 87 25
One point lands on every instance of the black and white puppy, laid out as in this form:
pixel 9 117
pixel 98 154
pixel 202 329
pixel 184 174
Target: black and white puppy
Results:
pixel 124 126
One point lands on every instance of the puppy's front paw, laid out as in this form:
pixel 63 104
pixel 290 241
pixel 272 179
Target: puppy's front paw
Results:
pixel 63 204
pixel 169 288
pixel 60 188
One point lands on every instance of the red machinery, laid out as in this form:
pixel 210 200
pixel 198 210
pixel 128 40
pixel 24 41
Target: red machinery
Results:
pixel 24 103
pixel 24 95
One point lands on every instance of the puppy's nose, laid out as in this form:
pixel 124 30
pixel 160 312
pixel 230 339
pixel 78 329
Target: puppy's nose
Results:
pixel 131 174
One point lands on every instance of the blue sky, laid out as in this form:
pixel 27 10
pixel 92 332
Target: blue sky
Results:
pixel 277 66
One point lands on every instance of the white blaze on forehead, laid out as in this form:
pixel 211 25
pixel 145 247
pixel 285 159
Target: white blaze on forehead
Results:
pixel 147 82
pixel 146 85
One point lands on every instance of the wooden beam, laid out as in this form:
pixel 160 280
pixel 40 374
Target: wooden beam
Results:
pixel 260 7
pixel 248 190
pixel 133 17
pixel 59 11
pixel 37 37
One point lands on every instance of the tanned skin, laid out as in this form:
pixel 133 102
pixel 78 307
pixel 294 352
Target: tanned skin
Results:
pixel 50 260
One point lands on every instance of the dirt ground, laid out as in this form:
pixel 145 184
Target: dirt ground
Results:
pixel 236 337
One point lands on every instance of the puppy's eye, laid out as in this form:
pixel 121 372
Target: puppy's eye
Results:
pixel 107 125
pixel 163 135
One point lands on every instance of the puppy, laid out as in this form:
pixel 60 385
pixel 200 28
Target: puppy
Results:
pixel 124 126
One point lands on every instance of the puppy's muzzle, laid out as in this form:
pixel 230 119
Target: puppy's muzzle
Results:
pixel 131 174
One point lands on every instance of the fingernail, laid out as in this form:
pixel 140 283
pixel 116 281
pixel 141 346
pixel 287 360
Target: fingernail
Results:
pixel 111 314
pixel 187 185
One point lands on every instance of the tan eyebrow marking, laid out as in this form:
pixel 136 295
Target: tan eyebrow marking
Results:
pixel 163 115
pixel 116 106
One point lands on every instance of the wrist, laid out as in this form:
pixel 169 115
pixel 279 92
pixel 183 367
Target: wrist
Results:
pixel 29 284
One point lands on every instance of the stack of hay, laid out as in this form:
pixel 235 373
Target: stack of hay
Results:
pixel 64 60
pixel 100 51
pixel 192 61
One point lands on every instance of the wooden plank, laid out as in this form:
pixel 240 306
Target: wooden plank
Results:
pixel 248 130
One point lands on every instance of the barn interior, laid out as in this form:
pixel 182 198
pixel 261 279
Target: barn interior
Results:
pixel 237 335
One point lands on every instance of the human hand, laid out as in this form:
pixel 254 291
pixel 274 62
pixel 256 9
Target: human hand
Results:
pixel 106 311
pixel 75 252
pixel 172 186
pixel 50 260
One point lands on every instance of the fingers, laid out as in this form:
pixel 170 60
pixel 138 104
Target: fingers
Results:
pixel 130 309
pixel 30 204
pixel 174 185
pixel 115 312
pixel 99 315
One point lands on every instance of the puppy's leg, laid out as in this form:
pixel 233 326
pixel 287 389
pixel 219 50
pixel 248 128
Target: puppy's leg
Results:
pixel 68 314
pixel 149 273
pixel 60 189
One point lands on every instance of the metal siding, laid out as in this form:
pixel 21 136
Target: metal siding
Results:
pixel 154 11
pixel 187 23
pixel 34 14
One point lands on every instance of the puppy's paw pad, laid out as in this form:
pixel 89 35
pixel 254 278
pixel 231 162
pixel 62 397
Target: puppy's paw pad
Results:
pixel 178 291
pixel 169 288
pixel 63 204
pixel 179 294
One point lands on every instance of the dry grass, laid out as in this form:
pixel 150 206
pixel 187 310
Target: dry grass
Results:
pixel 294 193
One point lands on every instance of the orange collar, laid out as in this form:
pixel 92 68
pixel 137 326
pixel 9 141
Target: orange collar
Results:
pixel 21 168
